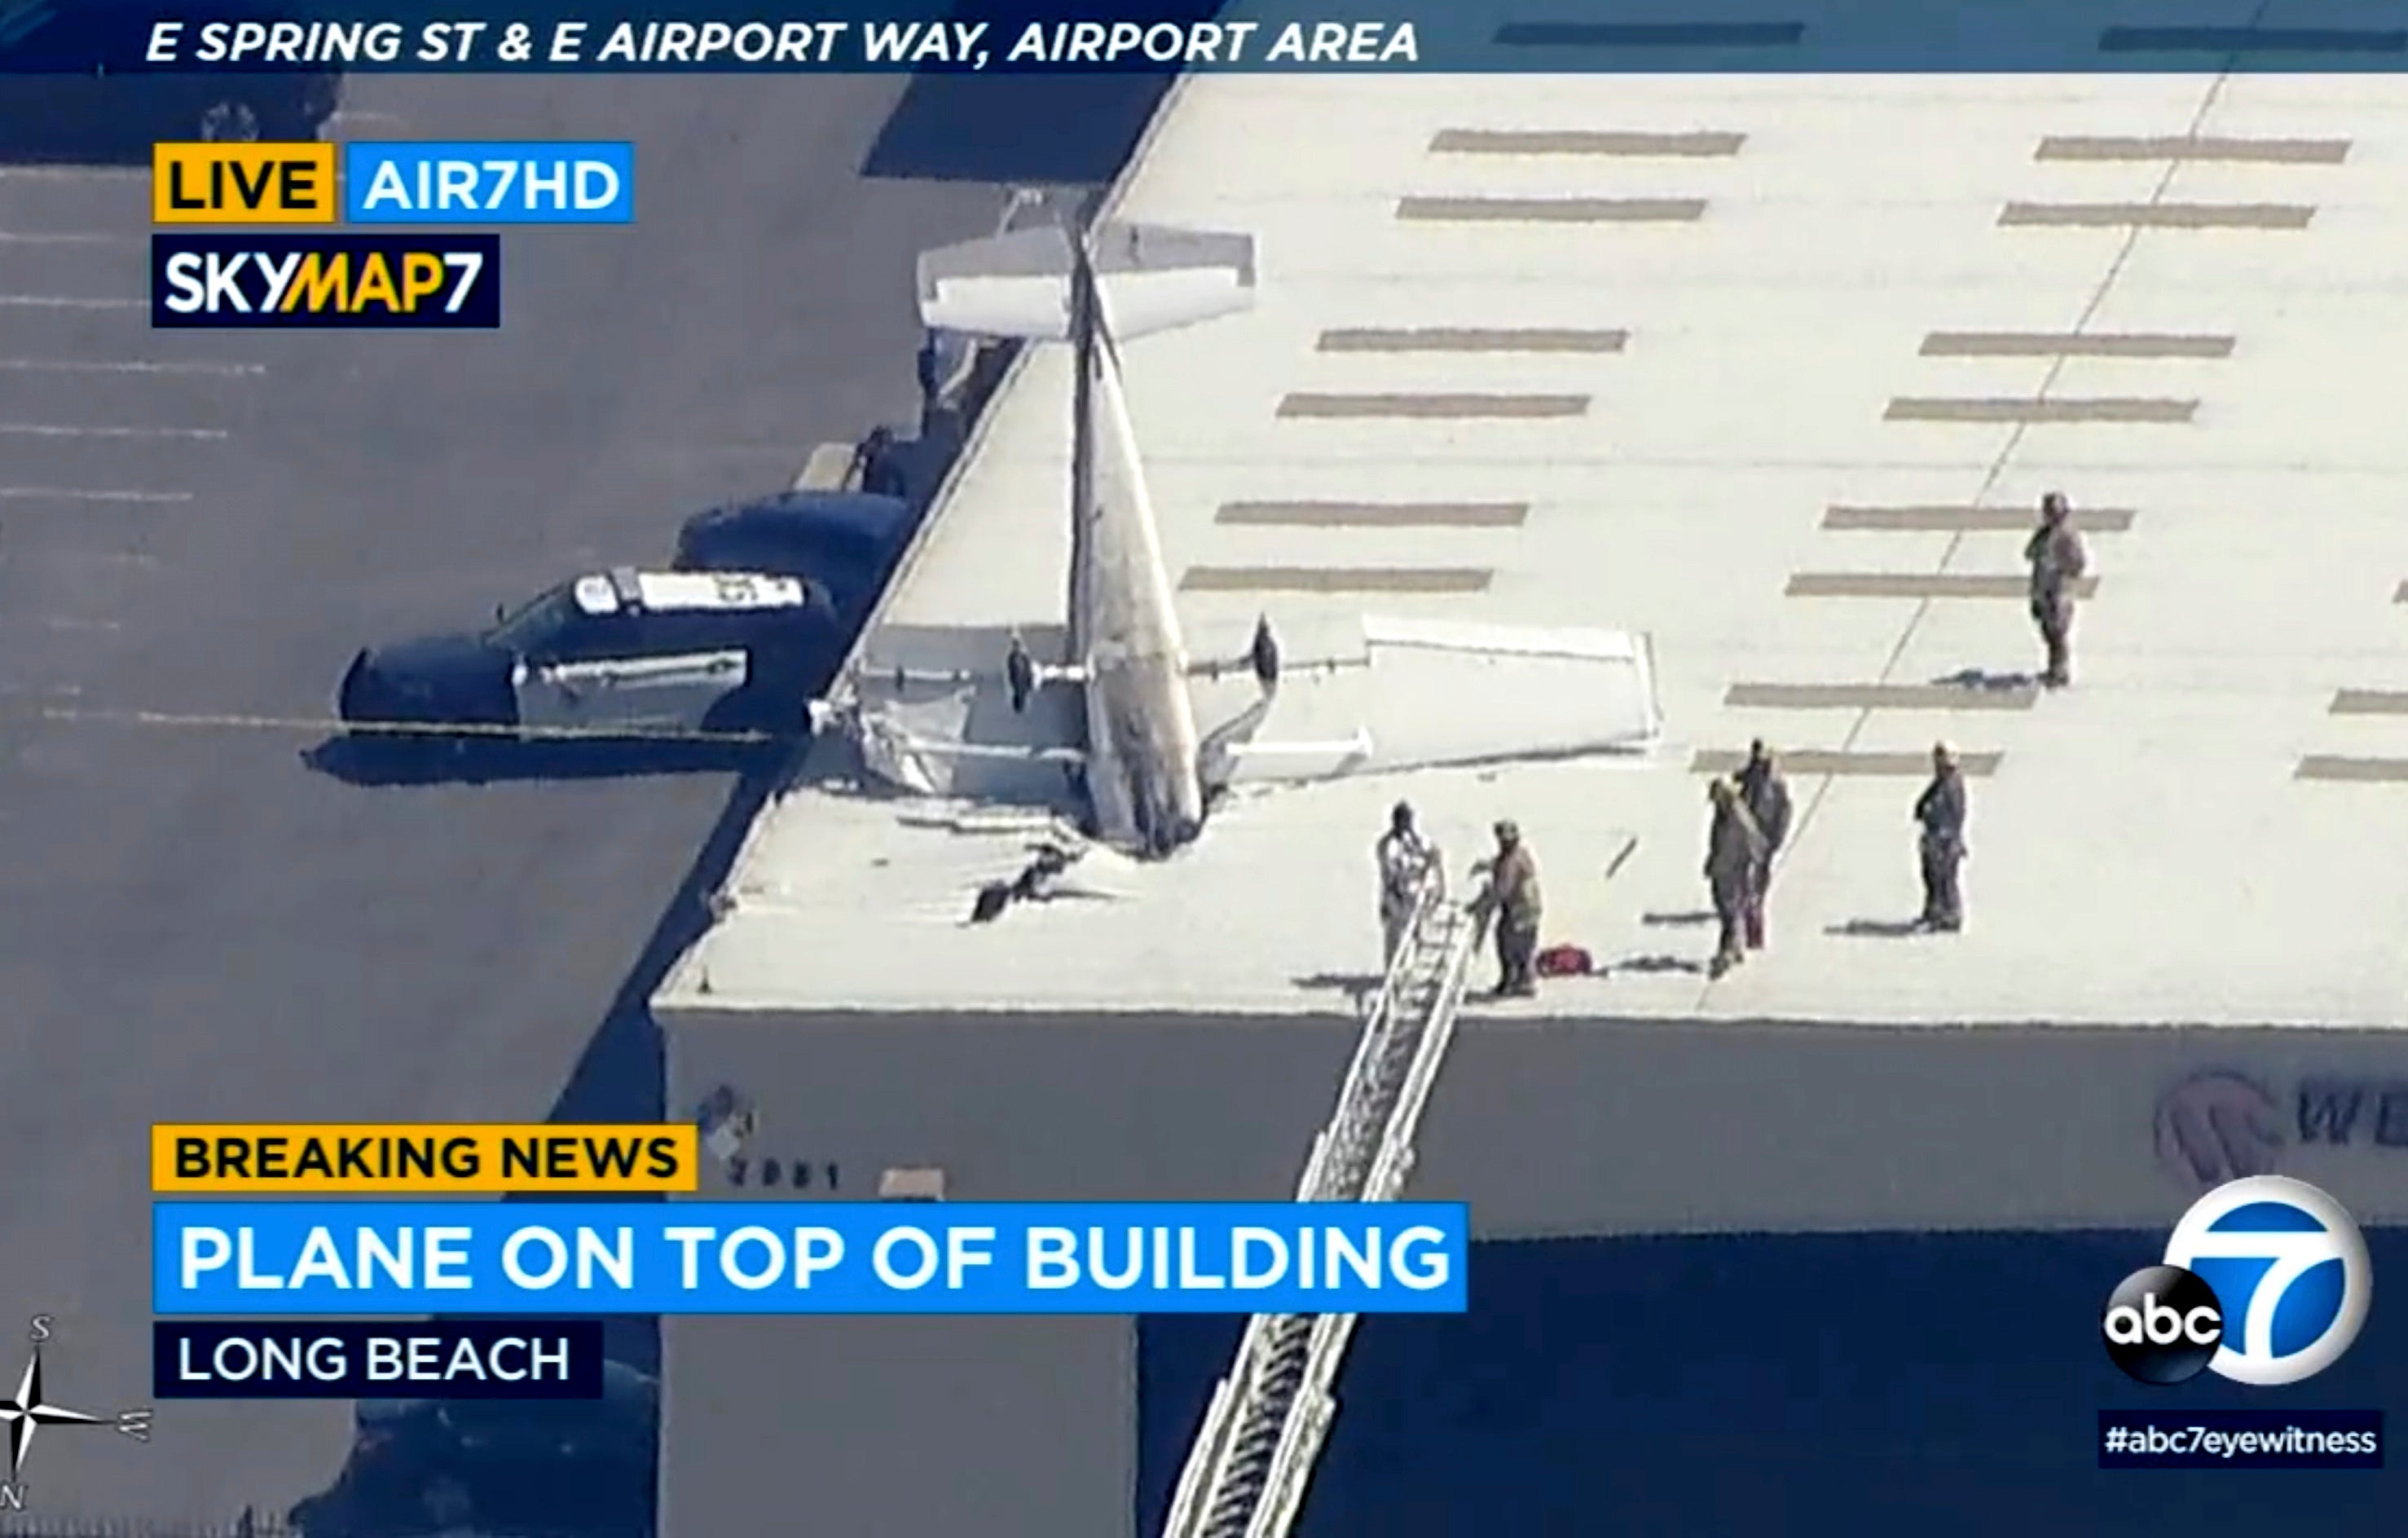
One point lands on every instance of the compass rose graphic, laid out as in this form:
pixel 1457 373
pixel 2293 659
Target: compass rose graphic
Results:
pixel 30 1410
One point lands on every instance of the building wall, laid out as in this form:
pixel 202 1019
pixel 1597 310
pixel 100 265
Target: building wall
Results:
pixel 1020 1107
pixel 897 1428
pixel 1651 1128
pixel 1582 1128
pixel 936 1427
pixel 1601 1128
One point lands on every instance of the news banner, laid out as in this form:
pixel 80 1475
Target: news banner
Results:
pixel 280 1255
pixel 865 44
pixel 1156 36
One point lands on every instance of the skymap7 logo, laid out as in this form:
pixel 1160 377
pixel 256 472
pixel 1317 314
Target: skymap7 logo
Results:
pixel 451 281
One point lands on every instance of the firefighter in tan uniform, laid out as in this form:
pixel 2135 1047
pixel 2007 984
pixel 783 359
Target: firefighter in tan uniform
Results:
pixel 1406 860
pixel 2058 562
pixel 1941 812
pixel 1765 792
pixel 1512 899
pixel 1735 849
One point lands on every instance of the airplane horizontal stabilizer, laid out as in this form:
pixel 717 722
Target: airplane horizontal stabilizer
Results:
pixel 1149 278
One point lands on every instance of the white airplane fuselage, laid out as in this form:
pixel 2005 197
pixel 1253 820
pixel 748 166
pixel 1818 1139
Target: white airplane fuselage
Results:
pixel 1143 777
pixel 1141 760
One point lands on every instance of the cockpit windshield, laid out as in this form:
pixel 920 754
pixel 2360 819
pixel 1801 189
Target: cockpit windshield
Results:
pixel 536 627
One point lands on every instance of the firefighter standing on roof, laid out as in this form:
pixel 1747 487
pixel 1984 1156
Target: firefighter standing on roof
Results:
pixel 2058 562
pixel 1941 809
pixel 1765 793
pixel 1405 858
pixel 1513 898
pixel 1734 850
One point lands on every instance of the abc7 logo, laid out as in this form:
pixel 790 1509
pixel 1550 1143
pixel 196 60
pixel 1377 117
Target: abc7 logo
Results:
pixel 2163 1325
pixel 2265 1281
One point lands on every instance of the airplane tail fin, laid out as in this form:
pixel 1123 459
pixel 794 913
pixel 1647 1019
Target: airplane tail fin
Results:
pixel 1148 277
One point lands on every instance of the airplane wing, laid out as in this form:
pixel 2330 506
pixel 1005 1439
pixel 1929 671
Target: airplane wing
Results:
pixel 1362 695
pixel 932 711
pixel 1376 694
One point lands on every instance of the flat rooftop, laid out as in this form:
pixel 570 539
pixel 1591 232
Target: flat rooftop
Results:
pixel 1772 369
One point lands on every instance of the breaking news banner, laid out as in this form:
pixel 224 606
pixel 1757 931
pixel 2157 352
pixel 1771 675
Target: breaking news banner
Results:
pixel 1159 36
pixel 321 1258
pixel 351 1359
pixel 479 1159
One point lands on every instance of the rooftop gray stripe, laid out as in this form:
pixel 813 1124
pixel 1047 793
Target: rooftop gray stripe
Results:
pixel 1375 514
pixel 2063 344
pixel 1815 761
pixel 1553 210
pixel 1959 519
pixel 2279 151
pixel 2334 767
pixel 2251 40
pixel 1920 584
pixel 1466 339
pixel 1880 696
pixel 2161 216
pixel 1544 141
pixel 2370 702
pixel 1308 579
pixel 2009 408
pixel 1461 407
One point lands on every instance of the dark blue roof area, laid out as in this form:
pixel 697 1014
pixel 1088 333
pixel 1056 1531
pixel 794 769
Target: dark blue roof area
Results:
pixel 1882 1384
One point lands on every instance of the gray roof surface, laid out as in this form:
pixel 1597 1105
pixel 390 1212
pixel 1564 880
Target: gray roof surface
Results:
pixel 1842 303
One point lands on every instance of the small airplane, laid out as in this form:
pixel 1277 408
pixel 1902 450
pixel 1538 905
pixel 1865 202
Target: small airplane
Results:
pixel 1395 693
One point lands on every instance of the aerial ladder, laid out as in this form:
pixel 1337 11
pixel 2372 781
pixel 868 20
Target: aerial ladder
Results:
pixel 1247 1470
